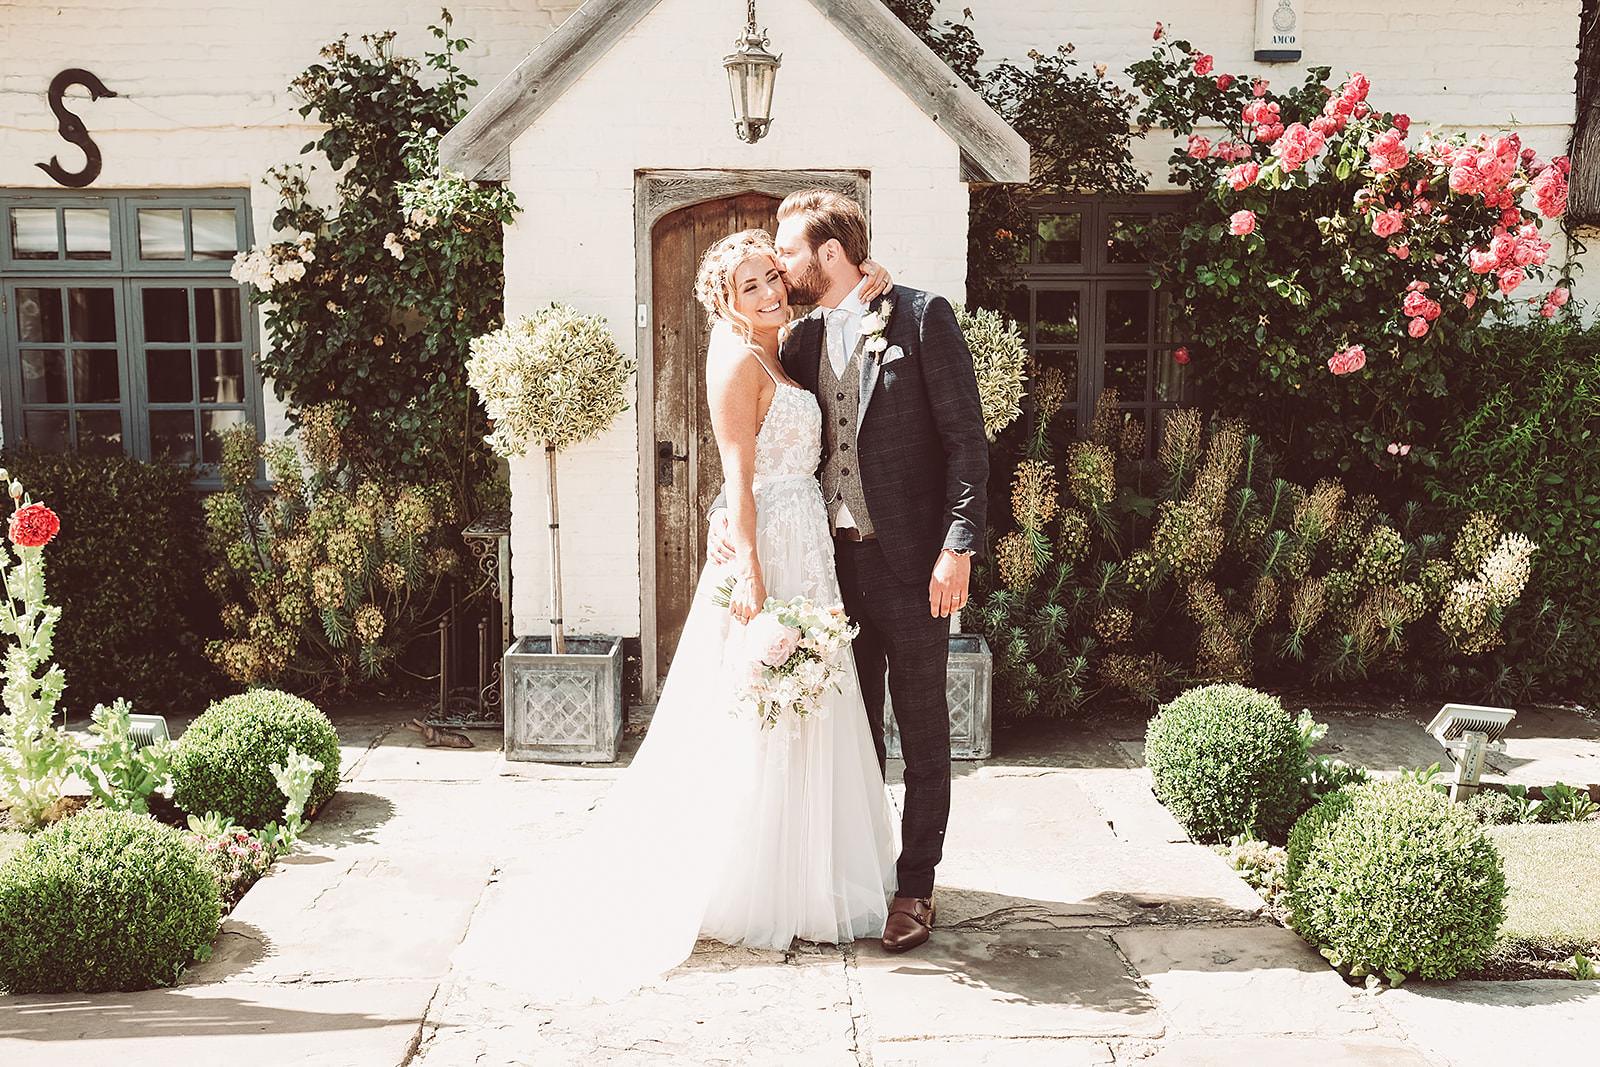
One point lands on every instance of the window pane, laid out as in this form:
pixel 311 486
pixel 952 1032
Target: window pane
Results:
pixel 92 314
pixel 214 423
pixel 46 430
pixel 33 233
pixel 1169 377
pixel 1060 238
pixel 44 376
pixel 215 232
pixel 1125 372
pixel 221 376
pixel 88 233
pixel 160 233
pixel 1127 316
pixel 172 435
pixel 94 376
pixel 100 433
pixel 39 315
pixel 1058 317
pixel 170 375
pixel 1019 307
pixel 166 314
pixel 216 314
pixel 1128 239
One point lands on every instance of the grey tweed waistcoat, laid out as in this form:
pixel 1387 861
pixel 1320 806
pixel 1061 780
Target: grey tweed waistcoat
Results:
pixel 840 400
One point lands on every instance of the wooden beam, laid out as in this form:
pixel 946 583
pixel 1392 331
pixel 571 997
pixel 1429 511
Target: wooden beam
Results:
pixel 479 145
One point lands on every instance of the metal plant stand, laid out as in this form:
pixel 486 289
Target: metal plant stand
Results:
pixel 489 540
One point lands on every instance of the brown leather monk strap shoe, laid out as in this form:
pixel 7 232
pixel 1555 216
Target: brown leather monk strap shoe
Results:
pixel 910 922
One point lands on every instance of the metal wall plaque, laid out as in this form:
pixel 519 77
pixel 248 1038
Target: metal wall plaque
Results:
pixel 1278 30
pixel 72 128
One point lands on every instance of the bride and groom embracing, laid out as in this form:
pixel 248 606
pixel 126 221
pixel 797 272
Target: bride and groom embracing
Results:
pixel 855 469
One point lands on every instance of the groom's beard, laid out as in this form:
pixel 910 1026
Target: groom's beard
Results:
pixel 807 286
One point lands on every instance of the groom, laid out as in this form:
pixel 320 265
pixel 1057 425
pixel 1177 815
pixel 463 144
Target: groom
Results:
pixel 904 473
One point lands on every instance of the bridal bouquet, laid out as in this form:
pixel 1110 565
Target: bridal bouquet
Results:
pixel 791 656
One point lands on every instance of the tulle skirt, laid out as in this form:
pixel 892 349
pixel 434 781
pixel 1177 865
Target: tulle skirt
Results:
pixel 719 828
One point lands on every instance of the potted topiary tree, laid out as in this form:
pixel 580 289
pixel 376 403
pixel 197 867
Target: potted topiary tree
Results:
pixel 1000 362
pixel 556 377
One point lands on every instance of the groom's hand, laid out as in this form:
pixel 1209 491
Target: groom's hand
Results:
pixel 947 592
pixel 719 549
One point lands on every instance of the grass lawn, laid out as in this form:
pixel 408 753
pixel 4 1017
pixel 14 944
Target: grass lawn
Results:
pixel 1552 906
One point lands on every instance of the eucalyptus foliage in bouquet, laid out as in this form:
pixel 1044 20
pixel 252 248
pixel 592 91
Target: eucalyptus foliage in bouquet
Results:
pixel 1000 359
pixel 35 754
pixel 556 377
pixel 327 576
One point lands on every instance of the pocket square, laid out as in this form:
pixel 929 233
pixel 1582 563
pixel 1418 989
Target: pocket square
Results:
pixel 892 353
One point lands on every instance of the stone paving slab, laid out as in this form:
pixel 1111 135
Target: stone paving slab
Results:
pixel 1237 981
pixel 1470 1023
pixel 1023 1052
pixel 333 1024
pixel 1131 810
pixel 1004 984
pixel 999 809
pixel 1281 1052
pixel 1096 884
pixel 723 1006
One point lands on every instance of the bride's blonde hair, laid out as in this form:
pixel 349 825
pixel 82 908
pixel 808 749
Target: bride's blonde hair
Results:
pixel 714 286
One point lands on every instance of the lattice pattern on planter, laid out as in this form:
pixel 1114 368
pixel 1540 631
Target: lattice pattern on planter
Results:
pixel 565 703
pixel 565 708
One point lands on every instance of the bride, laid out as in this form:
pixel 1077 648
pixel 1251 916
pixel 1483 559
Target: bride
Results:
pixel 722 829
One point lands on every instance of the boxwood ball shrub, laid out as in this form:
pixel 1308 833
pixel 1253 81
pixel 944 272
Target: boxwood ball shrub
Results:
pixel 104 900
pixel 222 760
pixel 1226 760
pixel 1392 879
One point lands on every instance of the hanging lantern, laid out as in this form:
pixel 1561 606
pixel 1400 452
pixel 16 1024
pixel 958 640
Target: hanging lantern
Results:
pixel 752 70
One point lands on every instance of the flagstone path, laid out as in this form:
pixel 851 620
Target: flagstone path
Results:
pixel 1077 926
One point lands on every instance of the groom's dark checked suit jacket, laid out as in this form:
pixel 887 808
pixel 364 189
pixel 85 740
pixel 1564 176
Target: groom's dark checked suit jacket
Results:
pixel 922 452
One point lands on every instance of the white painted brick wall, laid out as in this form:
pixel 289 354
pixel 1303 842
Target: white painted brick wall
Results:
pixel 575 239
pixel 203 98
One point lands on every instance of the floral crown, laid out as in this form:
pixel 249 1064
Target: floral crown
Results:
pixel 711 288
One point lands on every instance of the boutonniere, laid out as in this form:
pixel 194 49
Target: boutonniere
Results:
pixel 873 325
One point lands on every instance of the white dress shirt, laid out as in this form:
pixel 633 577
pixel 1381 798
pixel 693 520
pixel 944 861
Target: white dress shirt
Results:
pixel 842 331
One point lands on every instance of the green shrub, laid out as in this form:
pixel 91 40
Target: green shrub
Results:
pixel 223 760
pixel 1521 443
pixel 1494 808
pixel 104 900
pixel 127 567
pixel 1392 879
pixel 1227 760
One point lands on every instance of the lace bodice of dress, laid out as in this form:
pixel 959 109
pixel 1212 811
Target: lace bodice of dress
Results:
pixel 789 443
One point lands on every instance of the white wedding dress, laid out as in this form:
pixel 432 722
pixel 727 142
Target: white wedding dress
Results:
pixel 721 829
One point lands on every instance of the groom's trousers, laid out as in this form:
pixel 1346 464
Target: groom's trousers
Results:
pixel 898 631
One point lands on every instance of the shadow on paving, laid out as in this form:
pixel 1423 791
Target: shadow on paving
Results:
pixel 164 1014
pixel 348 818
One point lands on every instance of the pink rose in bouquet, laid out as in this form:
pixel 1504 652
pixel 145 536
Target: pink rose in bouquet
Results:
pixel 771 640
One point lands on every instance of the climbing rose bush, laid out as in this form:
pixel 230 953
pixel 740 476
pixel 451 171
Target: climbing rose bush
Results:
pixel 1338 257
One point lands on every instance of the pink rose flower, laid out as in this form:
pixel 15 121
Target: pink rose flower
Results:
pixel 1559 296
pixel 1470 297
pixel 772 641
pixel 1403 124
pixel 1258 87
pixel 1224 81
pixel 1348 360
pixel 1510 278
pixel 1242 223
pixel 1418 327
pixel 1414 302
pixel 1432 310
pixel 1199 147
pixel 1401 251
pixel 1160 29
pixel 1203 65
pixel 1548 311
pixel 1480 261
pixel 1243 176
pixel 1357 87
pixel 1386 224
pixel 1297 145
pixel 1180 355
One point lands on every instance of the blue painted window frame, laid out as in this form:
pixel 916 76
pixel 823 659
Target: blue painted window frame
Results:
pixel 128 273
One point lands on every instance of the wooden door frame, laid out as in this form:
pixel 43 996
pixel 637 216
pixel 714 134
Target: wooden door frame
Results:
pixel 657 194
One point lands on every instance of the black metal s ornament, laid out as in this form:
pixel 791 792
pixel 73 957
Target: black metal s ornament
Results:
pixel 72 128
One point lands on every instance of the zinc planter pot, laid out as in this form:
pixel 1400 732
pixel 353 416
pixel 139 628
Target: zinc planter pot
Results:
pixel 563 708
pixel 969 689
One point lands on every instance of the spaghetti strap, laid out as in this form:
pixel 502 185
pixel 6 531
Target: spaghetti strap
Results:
pixel 764 367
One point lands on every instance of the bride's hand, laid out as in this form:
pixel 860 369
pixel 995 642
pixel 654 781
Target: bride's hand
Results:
pixel 879 280
pixel 748 598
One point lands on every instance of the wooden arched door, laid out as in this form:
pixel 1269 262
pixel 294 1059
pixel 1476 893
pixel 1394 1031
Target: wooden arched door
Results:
pixel 687 472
